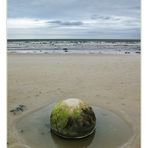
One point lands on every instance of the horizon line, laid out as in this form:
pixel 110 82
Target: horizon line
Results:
pixel 73 39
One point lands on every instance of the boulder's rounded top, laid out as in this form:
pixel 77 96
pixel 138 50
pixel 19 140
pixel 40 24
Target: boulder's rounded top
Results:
pixel 72 102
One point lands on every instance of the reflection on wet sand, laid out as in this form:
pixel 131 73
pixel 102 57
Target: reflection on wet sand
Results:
pixel 73 143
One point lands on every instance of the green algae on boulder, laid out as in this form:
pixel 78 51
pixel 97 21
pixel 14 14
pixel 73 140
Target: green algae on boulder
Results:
pixel 72 118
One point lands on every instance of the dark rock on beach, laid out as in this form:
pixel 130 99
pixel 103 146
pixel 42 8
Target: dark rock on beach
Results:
pixel 19 108
pixel 65 49
pixel 138 52
pixel 72 118
pixel 127 52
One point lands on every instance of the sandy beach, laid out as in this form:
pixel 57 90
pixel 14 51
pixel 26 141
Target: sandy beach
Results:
pixel 109 81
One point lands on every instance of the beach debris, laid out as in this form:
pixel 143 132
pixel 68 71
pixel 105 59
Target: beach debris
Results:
pixel 13 111
pixel 72 118
pixel 127 52
pixel 19 108
pixel 65 49
pixel 138 52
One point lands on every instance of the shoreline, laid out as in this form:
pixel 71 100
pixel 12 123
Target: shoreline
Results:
pixel 74 54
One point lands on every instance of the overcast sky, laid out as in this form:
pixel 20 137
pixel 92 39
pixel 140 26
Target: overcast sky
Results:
pixel 99 19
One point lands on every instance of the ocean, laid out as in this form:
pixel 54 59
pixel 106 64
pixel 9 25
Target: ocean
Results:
pixel 80 46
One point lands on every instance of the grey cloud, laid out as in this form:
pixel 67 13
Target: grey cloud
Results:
pixel 94 17
pixel 98 17
pixel 72 23
pixel 66 23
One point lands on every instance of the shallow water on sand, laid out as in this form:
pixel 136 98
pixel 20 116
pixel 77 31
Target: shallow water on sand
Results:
pixel 111 131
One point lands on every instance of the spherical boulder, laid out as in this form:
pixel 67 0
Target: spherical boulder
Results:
pixel 72 118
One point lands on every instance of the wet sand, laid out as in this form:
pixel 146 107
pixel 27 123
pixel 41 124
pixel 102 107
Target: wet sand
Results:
pixel 110 131
pixel 108 81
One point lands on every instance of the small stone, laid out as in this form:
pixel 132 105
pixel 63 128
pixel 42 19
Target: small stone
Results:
pixel 127 52
pixel 65 49
pixel 138 52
